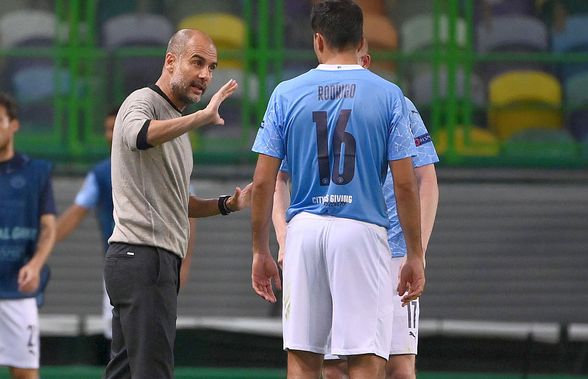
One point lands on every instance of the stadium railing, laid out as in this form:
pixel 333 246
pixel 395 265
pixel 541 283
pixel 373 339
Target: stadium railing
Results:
pixel 74 135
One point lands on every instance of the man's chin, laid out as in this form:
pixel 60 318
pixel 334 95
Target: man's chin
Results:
pixel 194 98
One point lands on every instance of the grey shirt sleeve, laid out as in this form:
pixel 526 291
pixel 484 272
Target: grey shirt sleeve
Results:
pixel 136 116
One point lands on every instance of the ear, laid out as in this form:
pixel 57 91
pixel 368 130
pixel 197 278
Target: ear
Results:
pixel 366 61
pixel 319 41
pixel 15 125
pixel 170 62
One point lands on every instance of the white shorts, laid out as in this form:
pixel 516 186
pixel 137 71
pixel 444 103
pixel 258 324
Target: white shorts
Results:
pixel 405 328
pixel 405 332
pixel 337 277
pixel 19 333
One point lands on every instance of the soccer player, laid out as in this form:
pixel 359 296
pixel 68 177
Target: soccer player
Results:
pixel 96 193
pixel 340 127
pixel 151 167
pixel 401 363
pixel 27 235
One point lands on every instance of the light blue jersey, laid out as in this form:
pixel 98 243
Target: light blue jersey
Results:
pixel 339 127
pixel 426 155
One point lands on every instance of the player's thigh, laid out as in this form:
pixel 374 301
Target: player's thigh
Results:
pixel 405 330
pixel 362 284
pixel 306 295
pixel 19 334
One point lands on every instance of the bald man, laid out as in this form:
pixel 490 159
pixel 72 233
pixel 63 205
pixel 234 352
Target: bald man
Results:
pixel 151 167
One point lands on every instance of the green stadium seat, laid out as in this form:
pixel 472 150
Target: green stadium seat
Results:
pixel 576 100
pixel 541 142
pixel 576 94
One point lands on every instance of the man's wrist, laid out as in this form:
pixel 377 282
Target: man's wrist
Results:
pixel 223 206
pixel 34 264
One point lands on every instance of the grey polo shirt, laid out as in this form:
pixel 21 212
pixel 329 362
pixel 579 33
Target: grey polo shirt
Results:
pixel 150 185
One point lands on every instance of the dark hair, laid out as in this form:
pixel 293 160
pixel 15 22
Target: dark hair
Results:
pixel 10 105
pixel 339 21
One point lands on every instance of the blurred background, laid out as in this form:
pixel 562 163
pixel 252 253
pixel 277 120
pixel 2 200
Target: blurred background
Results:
pixel 502 86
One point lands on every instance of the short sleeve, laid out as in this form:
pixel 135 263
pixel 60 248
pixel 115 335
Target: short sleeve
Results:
pixel 270 136
pixel 284 165
pixel 47 200
pixel 400 137
pixel 134 117
pixel 88 195
pixel 425 149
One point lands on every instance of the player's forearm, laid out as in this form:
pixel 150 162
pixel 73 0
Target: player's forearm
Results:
pixel 407 200
pixel 281 204
pixel 264 184
pixel 161 131
pixel 429 199
pixel 187 261
pixel 69 221
pixel 45 242
pixel 261 200
pixel 408 205
pixel 199 207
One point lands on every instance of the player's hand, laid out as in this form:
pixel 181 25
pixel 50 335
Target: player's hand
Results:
pixel 411 282
pixel 221 95
pixel 29 278
pixel 264 271
pixel 241 199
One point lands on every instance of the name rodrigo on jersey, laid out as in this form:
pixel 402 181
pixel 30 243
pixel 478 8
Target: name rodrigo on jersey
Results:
pixel 336 91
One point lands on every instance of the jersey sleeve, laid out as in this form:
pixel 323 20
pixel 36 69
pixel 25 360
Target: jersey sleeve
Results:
pixel 400 138
pixel 134 118
pixel 88 195
pixel 270 136
pixel 47 200
pixel 425 149
pixel 284 165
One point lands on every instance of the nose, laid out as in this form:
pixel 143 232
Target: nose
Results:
pixel 205 74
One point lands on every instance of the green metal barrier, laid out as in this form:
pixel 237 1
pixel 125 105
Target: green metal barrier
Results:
pixel 74 136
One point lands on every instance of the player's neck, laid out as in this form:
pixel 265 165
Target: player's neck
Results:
pixel 165 86
pixel 339 58
pixel 6 152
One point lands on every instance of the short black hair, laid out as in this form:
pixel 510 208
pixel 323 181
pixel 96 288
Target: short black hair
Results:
pixel 339 21
pixel 9 104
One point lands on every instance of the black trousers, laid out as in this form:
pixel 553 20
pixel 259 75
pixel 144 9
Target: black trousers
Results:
pixel 142 283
